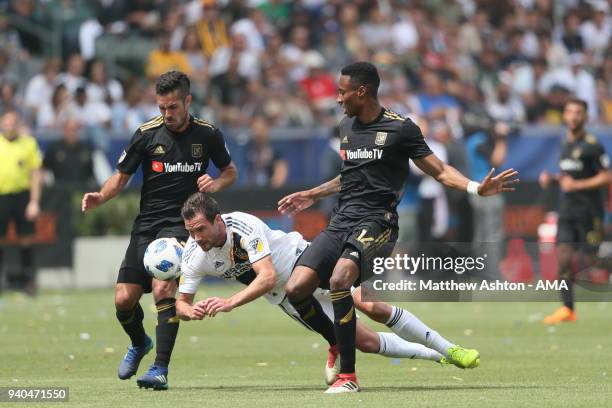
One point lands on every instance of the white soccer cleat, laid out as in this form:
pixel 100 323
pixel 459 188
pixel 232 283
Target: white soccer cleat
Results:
pixel 345 383
pixel 332 366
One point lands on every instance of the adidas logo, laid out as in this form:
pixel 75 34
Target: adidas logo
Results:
pixel 218 264
pixel 161 378
pixel 349 385
pixel 345 139
pixel 355 254
pixel 159 150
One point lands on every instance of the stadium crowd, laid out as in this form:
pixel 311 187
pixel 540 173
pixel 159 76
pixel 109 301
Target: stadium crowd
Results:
pixel 513 61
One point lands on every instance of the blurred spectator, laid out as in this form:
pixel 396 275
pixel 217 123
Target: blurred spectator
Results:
pixel 67 16
pixel 486 150
pixel 39 89
pixel 319 85
pixel 107 17
pixel 20 188
pixel 143 16
pixel 163 59
pixel 73 77
pixel 596 33
pixel 248 61
pixel 264 166
pixel 375 30
pixel 30 12
pixel 504 106
pixel 433 205
pixel 9 101
pixel 293 52
pixel 52 114
pixel 577 80
pixel 92 113
pixel 211 28
pixel 70 161
pixel 100 88
pixel 229 92
pixel 434 103
pixel 570 34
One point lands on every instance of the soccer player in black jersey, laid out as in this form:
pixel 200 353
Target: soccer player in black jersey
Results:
pixel 584 176
pixel 174 150
pixel 376 145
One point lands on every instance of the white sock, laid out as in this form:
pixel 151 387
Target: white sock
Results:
pixel 410 328
pixel 393 346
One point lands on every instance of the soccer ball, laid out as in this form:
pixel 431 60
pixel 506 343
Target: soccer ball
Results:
pixel 162 259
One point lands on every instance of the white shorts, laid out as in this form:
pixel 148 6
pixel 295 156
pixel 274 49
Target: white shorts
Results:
pixel 322 295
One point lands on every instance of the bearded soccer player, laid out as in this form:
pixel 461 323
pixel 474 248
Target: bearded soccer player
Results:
pixel 174 150
pixel 240 246
pixel 376 145
pixel 584 176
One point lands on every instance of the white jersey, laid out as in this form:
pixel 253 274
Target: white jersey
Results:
pixel 248 240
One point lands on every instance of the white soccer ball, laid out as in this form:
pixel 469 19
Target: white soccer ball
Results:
pixel 162 259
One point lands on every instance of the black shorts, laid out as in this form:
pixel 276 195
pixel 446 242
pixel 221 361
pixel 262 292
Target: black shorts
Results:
pixel 132 268
pixel 585 233
pixel 12 207
pixel 362 243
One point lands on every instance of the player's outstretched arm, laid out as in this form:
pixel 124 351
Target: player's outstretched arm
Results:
pixel 227 177
pixel 600 180
pixel 110 189
pixel 186 310
pixel 451 177
pixel 296 202
pixel 264 282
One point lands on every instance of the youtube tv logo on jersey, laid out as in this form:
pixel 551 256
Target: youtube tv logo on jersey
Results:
pixel 157 167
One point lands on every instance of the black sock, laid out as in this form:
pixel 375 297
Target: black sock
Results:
pixel 26 265
pixel 131 321
pixel 567 295
pixel 345 323
pixel 312 314
pixel 166 331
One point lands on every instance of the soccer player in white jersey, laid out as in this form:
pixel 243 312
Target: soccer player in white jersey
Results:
pixel 242 247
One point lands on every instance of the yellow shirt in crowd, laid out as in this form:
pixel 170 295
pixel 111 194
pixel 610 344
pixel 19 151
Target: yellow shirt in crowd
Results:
pixel 160 62
pixel 17 160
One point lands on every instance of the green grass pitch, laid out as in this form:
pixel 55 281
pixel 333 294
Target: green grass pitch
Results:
pixel 258 357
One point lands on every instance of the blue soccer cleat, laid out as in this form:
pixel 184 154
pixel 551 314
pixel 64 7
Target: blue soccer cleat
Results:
pixel 156 378
pixel 131 360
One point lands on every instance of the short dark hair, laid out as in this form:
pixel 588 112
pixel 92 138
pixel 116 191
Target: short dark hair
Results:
pixel 362 73
pixel 577 101
pixel 200 203
pixel 171 81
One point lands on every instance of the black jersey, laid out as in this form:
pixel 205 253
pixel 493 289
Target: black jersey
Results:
pixel 375 166
pixel 171 165
pixel 582 159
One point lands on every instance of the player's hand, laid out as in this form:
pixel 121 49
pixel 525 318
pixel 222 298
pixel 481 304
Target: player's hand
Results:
pixel 567 183
pixel 32 211
pixel 91 201
pixel 207 184
pixel 502 183
pixel 215 305
pixel 197 312
pixel 294 203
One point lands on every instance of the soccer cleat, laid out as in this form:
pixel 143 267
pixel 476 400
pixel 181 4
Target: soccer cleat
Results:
pixel 344 383
pixel 462 357
pixel 444 361
pixel 156 378
pixel 563 314
pixel 131 360
pixel 332 366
